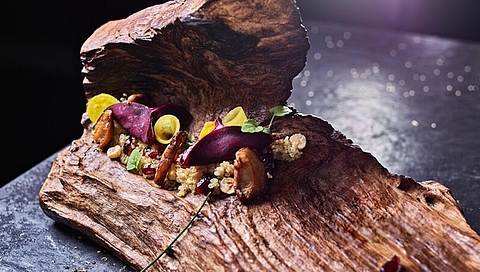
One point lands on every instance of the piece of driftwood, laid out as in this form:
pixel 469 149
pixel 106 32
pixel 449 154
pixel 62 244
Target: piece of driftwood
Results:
pixel 334 209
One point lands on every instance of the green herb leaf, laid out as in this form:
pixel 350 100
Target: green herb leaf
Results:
pixel 134 159
pixel 169 247
pixel 280 110
pixel 189 141
pixel 250 126
pixel 277 111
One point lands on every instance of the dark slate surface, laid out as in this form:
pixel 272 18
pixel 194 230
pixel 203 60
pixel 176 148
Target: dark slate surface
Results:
pixel 413 101
pixel 410 100
pixel 30 241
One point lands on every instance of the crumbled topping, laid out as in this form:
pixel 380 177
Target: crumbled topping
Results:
pixel 185 179
pixel 289 148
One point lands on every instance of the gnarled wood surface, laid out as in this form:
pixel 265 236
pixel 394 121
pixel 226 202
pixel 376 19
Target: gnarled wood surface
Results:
pixel 208 56
pixel 336 208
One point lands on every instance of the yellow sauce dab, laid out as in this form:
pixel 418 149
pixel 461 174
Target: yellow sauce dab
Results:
pixel 98 104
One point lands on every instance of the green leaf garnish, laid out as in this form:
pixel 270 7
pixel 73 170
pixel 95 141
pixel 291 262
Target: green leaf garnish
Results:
pixel 280 111
pixel 169 247
pixel 134 159
pixel 250 126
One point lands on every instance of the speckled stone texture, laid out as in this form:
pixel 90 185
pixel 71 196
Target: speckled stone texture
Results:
pixel 411 100
pixel 33 242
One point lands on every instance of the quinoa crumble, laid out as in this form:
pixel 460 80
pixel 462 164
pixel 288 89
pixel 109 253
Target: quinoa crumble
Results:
pixel 185 180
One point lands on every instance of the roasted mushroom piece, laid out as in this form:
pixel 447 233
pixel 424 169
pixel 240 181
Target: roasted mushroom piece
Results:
pixel 250 176
pixel 103 130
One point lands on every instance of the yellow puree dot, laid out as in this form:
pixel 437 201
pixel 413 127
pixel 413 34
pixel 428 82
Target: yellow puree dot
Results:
pixel 98 104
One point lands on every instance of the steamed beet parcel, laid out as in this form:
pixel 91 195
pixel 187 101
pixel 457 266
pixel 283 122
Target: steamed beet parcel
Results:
pixel 231 155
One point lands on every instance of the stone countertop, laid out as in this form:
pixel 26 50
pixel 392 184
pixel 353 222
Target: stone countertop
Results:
pixel 410 100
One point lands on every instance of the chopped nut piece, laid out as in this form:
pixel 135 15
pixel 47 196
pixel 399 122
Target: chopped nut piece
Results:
pixel 138 98
pixel 227 186
pixel 114 152
pixel 249 174
pixel 298 140
pixel 103 130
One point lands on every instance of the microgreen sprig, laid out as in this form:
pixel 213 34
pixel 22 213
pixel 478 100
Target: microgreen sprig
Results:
pixel 133 160
pixel 250 126
pixel 178 236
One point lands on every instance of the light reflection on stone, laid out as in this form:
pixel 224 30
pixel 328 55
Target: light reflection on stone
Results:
pixel 349 93
pixel 423 87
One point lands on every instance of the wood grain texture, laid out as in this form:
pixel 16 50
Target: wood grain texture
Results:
pixel 216 54
pixel 336 208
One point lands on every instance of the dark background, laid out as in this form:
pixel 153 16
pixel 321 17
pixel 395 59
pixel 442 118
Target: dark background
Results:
pixel 42 91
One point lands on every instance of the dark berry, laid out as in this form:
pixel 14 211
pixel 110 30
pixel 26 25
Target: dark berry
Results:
pixel 393 265
pixel 202 185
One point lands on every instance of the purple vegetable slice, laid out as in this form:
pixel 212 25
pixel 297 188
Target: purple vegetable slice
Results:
pixel 221 145
pixel 138 119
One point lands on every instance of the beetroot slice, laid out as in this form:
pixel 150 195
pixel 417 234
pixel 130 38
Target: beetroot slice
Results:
pixel 138 119
pixel 221 145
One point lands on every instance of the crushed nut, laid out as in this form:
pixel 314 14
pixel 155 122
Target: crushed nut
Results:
pixel 137 98
pixel 298 140
pixel 114 152
pixel 227 186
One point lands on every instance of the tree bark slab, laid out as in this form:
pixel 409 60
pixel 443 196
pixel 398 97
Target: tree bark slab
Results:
pixel 335 208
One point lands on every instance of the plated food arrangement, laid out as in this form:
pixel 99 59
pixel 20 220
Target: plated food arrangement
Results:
pixel 186 101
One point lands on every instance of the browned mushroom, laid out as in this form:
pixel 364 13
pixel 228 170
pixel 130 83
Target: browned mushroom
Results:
pixel 169 157
pixel 249 176
pixel 103 129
